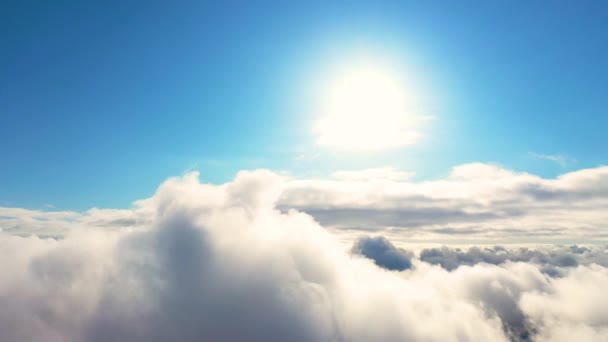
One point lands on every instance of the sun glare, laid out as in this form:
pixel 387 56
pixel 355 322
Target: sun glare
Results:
pixel 367 108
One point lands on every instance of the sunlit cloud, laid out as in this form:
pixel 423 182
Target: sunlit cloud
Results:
pixel 474 201
pixel 207 256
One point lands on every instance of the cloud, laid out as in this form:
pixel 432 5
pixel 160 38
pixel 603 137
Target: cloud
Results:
pixel 573 309
pixel 550 259
pixel 18 221
pixel 475 201
pixel 383 253
pixel 561 160
pixel 198 262
pixel 214 263
pixel 480 203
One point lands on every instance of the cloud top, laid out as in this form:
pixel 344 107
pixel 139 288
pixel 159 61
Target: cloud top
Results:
pixel 199 262
pixel 383 253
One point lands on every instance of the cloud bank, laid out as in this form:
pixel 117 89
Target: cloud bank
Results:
pixel 550 258
pixel 475 201
pixel 199 262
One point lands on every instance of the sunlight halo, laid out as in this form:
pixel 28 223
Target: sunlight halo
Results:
pixel 367 107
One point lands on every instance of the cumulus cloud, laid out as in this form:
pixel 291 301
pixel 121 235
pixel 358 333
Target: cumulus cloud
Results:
pixel 214 263
pixel 528 311
pixel 199 262
pixel 383 253
pixel 574 309
pixel 451 258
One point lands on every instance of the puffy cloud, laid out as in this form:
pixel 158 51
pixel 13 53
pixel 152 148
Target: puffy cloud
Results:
pixel 498 292
pixel 215 263
pixel 452 258
pixel 198 262
pixel 383 253
pixel 573 309
pixel 537 312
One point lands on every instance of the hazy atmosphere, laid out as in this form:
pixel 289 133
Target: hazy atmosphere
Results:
pixel 303 171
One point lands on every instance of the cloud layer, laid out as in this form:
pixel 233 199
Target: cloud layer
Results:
pixel 476 201
pixel 479 203
pixel 199 262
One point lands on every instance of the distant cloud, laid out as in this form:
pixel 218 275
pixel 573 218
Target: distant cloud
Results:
pixel 561 160
pixel 548 258
pixel 382 252
pixel 474 201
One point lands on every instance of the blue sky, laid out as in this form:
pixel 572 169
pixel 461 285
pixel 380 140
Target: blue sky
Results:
pixel 101 102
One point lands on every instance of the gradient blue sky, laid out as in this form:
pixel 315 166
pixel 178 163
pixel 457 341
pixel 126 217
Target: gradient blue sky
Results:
pixel 101 101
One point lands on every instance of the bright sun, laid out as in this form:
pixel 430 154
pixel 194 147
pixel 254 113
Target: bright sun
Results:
pixel 367 108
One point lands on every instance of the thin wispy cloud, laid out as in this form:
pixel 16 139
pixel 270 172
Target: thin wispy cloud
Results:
pixel 561 160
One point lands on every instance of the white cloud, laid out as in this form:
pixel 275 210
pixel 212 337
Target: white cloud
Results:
pixel 574 308
pixel 474 201
pixel 202 262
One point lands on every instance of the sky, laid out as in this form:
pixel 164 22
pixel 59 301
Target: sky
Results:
pixel 315 171
pixel 100 102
